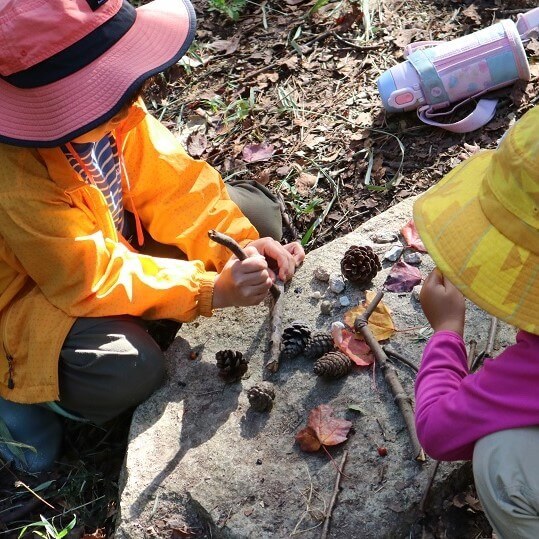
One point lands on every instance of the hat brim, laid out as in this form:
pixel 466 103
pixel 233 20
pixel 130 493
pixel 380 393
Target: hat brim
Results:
pixel 491 270
pixel 51 115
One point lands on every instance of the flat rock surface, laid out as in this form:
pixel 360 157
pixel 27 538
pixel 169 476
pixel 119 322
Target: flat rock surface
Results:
pixel 197 450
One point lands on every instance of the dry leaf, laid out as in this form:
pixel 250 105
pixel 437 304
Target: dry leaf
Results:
pixel 304 182
pixel 380 321
pixel 472 13
pixel 228 46
pixel 356 349
pixel 323 429
pixel 402 277
pixel 196 144
pixel 257 152
pixel 411 236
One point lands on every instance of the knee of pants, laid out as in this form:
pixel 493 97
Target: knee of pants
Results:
pixel 102 381
pixel 507 481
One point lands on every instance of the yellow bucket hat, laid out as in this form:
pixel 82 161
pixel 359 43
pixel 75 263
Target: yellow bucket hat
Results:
pixel 480 224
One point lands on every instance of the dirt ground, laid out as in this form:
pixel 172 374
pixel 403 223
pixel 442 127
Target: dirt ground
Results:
pixel 287 96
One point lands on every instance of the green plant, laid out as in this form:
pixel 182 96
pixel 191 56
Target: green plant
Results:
pixel 51 532
pixel 230 8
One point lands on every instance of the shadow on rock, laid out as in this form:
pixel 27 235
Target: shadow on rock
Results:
pixel 207 405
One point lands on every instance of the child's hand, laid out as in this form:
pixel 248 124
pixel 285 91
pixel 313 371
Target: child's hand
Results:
pixel 286 258
pixel 242 282
pixel 443 304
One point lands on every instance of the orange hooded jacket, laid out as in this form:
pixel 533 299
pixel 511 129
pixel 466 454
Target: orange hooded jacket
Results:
pixel 61 257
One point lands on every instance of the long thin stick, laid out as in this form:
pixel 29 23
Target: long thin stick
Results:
pixel 489 349
pixel 430 480
pixel 329 512
pixel 390 375
pixel 234 246
pixel 393 353
pixel 276 327
pixel 471 352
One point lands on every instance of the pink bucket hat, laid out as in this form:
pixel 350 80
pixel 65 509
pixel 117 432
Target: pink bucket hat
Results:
pixel 67 66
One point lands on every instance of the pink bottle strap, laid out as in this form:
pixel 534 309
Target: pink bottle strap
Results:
pixel 481 115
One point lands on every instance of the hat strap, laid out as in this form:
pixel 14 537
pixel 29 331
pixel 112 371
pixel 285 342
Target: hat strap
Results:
pixel 506 222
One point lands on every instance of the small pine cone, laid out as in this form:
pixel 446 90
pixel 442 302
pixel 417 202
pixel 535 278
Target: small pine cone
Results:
pixel 333 365
pixel 360 264
pixel 294 339
pixel 232 365
pixel 261 397
pixel 318 344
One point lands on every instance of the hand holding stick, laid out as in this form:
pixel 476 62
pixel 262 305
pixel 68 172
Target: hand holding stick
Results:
pixel 390 375
pixel 276 307
pixel 234 246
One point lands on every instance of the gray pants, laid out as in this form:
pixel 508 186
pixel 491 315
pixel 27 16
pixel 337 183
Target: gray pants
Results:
pixel 507 481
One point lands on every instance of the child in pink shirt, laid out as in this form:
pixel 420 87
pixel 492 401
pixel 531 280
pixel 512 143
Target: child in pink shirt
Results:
pixel 480 224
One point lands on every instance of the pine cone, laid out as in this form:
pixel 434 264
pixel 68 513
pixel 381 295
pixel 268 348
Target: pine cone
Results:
pixel 261 397
pixel 333 365
pixel 360 264
pixel 294 339
pixel 318 344
pixel 232 365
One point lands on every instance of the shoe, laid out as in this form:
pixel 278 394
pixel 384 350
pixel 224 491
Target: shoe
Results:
pixel 30 436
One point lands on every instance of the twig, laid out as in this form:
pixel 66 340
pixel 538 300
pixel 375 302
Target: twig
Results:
pixel 393 353
pixel 358 47
pixel 489 349
pixel 276 327
pixel 471 352
pixel 233 245
pixel 325 529
pixel 390 376
pixel 430 480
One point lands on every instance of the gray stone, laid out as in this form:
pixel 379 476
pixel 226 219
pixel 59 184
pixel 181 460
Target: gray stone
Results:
pixel 344 301
pixel 322 274
pixel 198 454
pixel 412 257
pixel 316 295
pixel 385 237
pixel 326 307
pixel 336 283
pixel 394 253
pixel 416 291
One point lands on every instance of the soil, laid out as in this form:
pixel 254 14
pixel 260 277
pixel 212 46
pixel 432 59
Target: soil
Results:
pixel 286 95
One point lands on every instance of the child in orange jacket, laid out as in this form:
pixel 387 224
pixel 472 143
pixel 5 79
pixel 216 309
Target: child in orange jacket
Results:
pixel 104 217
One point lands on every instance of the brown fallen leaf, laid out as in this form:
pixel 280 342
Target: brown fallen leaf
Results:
pixel 304 182
pixel 380 321
pixel 257 152
pixel 323 429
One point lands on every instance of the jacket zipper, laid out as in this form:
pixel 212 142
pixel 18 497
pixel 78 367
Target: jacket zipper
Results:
pixel 9 357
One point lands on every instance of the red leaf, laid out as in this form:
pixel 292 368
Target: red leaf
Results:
pixel 307 440
pixel 323 429
pixel 356 349
pixel 402 278
pixel 257 152
pixel 411 237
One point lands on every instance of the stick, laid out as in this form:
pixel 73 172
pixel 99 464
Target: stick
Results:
pixel 489 349
pixel 327 518
pixel 430 480
pixel 393 353
pixel 276 326
pixel 471 353
pixel 390 376
pixel 233 245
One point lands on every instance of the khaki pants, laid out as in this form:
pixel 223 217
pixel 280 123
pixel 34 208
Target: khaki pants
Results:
pixel 506 476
